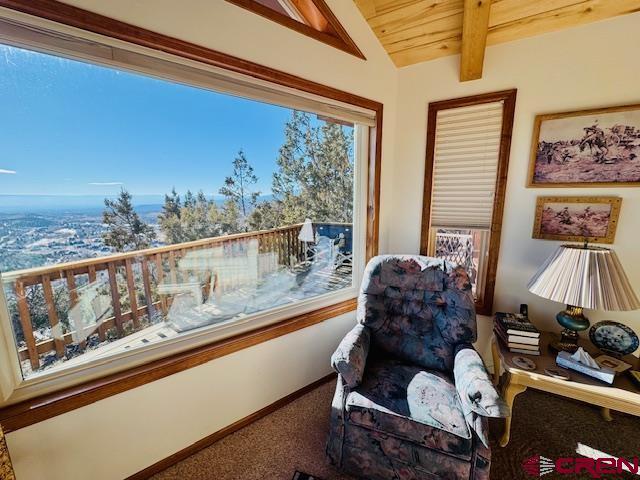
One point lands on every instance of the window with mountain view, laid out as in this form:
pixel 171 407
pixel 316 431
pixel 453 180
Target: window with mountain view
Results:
pixel 134 210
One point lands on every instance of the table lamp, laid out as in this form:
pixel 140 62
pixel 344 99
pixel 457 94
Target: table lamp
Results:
pixel 582 277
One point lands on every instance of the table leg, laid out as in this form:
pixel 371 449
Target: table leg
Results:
pixel 497 367
pixel 606 414
pixel 510 392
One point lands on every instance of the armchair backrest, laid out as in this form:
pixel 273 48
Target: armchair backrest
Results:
pixel 417 308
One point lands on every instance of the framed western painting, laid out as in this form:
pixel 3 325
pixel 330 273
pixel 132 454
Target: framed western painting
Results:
pixel 586 148
pixel 577 219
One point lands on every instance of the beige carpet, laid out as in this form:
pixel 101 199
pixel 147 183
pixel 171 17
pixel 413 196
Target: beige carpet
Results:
pixel 294 438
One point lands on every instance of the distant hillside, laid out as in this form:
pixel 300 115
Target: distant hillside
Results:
pixel 88 204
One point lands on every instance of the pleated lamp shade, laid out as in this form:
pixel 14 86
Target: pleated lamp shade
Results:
pixel 587 277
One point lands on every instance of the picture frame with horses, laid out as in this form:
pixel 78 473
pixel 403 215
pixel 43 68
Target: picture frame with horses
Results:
pixel 577 219
pixel 586 148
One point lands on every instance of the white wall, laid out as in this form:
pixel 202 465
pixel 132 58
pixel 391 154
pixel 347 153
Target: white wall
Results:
pixel 590 66
pixel 118 436
pixel 121 435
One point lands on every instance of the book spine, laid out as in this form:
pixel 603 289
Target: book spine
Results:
pixel 523 347
pixel 501 335
pixel 526 352
pixel 524 333
pixel 523 340
pixel 525 328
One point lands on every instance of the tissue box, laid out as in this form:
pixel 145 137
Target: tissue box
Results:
pixel 604 374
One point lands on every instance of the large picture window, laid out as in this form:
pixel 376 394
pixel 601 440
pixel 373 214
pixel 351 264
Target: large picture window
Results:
pixel 137 210
pixel 468 142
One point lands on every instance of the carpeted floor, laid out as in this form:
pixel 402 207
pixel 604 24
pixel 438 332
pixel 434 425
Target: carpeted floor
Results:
pixel 293 438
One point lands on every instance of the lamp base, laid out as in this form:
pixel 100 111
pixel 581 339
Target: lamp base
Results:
pixel 573 321
pixel 568 341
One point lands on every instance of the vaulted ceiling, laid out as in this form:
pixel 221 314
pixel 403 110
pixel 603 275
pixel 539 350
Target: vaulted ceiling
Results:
pixel 414 31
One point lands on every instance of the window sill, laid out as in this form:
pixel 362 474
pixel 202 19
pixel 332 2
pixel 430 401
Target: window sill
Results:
pixel 37 409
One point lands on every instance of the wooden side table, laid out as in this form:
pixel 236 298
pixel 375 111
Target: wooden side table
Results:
pixel 622 396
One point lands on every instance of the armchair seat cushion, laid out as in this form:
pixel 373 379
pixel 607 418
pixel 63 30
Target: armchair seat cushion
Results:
pixel 410 403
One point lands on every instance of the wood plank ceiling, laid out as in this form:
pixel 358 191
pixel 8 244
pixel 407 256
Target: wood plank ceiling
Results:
pixel 414 31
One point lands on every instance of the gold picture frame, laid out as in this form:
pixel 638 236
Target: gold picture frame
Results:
pixel 577 219
pixel 586 148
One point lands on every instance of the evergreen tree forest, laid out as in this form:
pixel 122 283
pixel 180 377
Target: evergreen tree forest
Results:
pixel 313 179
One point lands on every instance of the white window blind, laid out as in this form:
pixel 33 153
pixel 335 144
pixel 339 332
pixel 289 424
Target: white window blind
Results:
pixel 465 167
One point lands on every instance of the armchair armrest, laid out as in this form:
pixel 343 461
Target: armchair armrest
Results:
pixel 475 388
pixel 351 355
pixel 478 397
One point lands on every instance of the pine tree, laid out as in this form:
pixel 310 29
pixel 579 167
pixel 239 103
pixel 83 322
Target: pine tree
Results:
pixel 230 218
pixel 126 230
pixel 314 177
pixel 289 181
pixel 330 175
pixel 189 200
pixel 169 219
pixel 200 219
pixel 266 215
pixel 194 219
pixel 238 187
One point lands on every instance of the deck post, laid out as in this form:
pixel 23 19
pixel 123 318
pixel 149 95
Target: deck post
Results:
pixel 56 328
pixel 131 286
pixel 115 298
pixel 27 328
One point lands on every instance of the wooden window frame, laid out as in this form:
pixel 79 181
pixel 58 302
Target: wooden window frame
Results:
pixel 485 305
pixel 39 408
pixel 341 40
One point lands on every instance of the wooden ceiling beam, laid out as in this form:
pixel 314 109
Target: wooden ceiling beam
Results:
pixel 475 27
pixel 414 31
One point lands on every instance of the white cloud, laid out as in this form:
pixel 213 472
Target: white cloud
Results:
pixel 7 172
pixel 106 184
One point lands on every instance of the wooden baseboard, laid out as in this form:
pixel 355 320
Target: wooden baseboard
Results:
pixel 214 437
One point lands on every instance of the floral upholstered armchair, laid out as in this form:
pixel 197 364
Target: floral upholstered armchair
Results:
pixel 413 396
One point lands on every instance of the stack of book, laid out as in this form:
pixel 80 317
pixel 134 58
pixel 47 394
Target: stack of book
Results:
pixel 517 333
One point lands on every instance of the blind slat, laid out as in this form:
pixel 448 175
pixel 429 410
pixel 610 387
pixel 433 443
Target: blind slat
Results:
pixel 467 145
pixel 462 134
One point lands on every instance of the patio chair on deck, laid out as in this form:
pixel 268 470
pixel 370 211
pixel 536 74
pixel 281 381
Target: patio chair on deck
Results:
pixel 342 256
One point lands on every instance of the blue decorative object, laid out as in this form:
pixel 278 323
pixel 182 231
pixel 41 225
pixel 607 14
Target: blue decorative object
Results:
pixel 614 337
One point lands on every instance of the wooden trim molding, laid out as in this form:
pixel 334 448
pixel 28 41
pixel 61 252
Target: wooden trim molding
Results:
pixel 50 405
pixel 485 305
pixel 373 189
pixel 40 408
pixel 220 434
pixel 335 36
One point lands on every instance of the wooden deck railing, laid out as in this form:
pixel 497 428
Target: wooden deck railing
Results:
pixel 148 267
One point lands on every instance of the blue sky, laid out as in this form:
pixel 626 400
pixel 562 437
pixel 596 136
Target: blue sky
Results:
pixel 70 128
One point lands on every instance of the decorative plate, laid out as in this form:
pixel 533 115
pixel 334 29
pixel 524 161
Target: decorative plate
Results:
pixel 614 337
